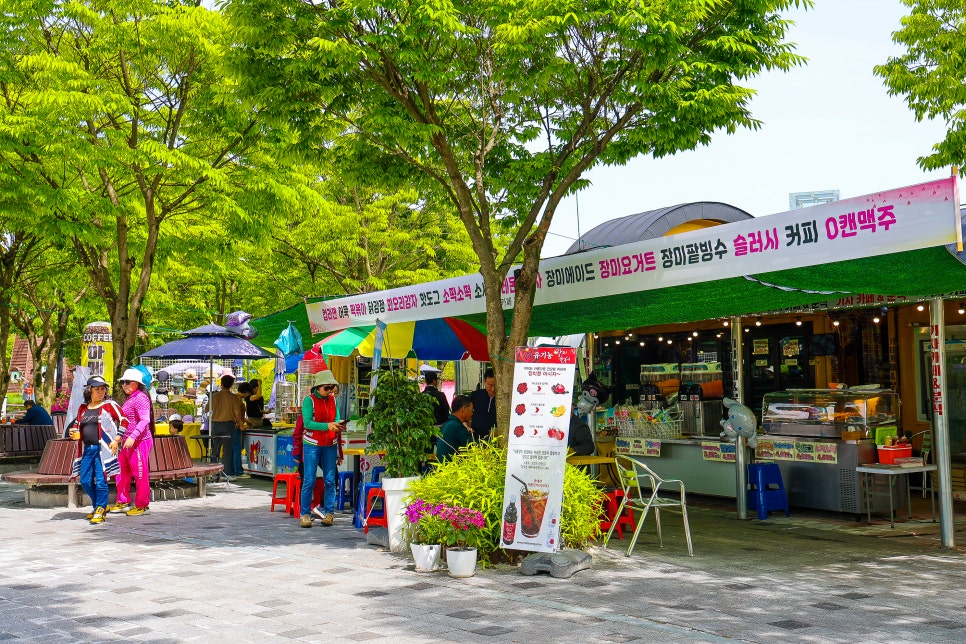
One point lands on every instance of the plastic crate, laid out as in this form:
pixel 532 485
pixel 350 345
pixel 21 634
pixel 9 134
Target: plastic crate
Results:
pixel 888 455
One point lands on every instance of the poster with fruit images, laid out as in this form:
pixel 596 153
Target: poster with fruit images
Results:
pixel 543 383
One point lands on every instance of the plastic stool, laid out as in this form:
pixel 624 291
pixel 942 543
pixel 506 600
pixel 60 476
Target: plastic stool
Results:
pixel 375 518
pixel 376 474
pixel 364 489
pixel 770 489
pixel 288 479
pixel 316 497
pixel 612 501
pixel 343 494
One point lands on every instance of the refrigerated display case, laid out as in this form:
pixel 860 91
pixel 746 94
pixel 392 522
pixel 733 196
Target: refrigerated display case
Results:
pixel 803 434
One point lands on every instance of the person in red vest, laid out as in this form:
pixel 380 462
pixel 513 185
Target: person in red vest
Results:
pixel 321 442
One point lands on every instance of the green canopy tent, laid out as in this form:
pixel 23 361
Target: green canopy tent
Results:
pixel 916 274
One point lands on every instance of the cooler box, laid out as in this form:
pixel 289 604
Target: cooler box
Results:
pixel 888 455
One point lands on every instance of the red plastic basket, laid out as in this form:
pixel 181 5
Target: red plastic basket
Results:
pixel 888 455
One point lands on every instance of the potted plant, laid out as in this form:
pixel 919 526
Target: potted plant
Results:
pixel 401 426
pixel 426 532
pixel 462 525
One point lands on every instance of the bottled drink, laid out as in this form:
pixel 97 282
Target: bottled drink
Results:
pixel 510 521
pixel 553 531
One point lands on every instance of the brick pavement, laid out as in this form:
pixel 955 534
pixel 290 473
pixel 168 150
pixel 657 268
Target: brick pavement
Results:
pixel 226 569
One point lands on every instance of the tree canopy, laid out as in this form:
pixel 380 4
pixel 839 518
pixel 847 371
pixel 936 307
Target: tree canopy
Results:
pixel 505 105
pixel 931 73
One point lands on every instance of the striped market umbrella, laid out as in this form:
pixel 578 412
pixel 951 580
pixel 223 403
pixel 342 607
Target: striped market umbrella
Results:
pixel 438 339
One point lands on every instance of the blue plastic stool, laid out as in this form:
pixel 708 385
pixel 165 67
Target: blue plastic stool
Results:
pixel 769 493
pixel 343 494
pixel 376 475
pixel 361 507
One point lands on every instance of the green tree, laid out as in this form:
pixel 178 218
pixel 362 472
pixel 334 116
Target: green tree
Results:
pixel 506 105
pixel 119 124
pixel 46 297
pixel 931 74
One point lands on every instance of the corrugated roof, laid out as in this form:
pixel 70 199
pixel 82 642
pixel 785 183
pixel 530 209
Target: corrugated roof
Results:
pixel 654 223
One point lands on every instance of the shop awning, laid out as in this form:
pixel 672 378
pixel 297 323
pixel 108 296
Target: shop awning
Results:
pixel 874 281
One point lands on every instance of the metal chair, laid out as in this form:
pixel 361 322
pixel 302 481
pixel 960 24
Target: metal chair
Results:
pixel 642 491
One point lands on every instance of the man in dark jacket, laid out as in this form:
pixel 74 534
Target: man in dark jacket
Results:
pixel 36 415
pixel 455 432
pixel 442 405
pixel 484 407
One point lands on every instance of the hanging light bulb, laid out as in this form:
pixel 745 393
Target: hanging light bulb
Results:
pixel 876 319
pixel 962 308
pixel 725 323
pixel 660 338
pixel 670 341
pixel 920 308
pixel 719 335
pixel 758 322
pixel 835 323
pixel 694 334
pixel 642 343
pixel 617 341
pixel 798 321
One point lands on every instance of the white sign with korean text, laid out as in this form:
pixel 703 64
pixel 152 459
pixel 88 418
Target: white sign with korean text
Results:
pixel 543 381
pixel 893 221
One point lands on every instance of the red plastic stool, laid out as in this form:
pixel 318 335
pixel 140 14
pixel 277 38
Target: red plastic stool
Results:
pixel 290 479
pixel 316 497
pixel 371 519
pixel 612 501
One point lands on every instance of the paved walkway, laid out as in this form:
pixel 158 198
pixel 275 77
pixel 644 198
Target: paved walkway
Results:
pixel 226 569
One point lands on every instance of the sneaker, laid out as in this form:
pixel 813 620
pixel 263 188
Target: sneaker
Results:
pixel 90 516
pixel 306 521
pixel 136 511
pixel 119 507
pixel 328 519
pixel 99 515
pixel 317 511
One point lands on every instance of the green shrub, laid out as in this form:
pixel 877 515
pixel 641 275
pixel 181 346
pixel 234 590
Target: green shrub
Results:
pixel 475 478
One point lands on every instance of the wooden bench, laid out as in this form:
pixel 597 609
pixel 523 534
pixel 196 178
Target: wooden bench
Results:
pixel 24 440
pixel 169 461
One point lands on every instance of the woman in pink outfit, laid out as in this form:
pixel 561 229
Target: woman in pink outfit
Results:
pixel 136 443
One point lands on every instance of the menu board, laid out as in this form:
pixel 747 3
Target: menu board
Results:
pixel 543 381
pixel 770 449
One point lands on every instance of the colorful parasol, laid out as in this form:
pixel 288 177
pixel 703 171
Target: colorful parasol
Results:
pixel 437 339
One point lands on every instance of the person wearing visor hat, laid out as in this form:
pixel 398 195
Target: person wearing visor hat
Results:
pixel 95 429
pixel 135 443
pixel 321 447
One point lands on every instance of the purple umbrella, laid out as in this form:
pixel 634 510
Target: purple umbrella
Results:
pixel 210 341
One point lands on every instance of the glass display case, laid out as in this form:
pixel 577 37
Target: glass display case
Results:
pixel 828 412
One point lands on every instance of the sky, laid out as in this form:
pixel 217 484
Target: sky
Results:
pixel 829 125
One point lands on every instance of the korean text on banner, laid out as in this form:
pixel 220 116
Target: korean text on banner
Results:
pixel 885 222
pixel 543 382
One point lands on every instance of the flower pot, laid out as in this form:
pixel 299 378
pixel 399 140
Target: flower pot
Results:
pixel 426 556
pixel 396 490
pixel 461 562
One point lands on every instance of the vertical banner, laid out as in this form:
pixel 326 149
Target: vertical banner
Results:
pixel 97 350
pixel 543 380
pixel 376 359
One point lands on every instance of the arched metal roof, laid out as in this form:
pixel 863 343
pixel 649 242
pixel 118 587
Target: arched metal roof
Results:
pixel 655 223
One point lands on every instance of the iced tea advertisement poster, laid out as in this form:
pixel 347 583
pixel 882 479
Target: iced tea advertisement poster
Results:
pixel 543 382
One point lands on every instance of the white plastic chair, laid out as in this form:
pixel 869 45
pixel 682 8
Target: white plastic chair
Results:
pixel 642 492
